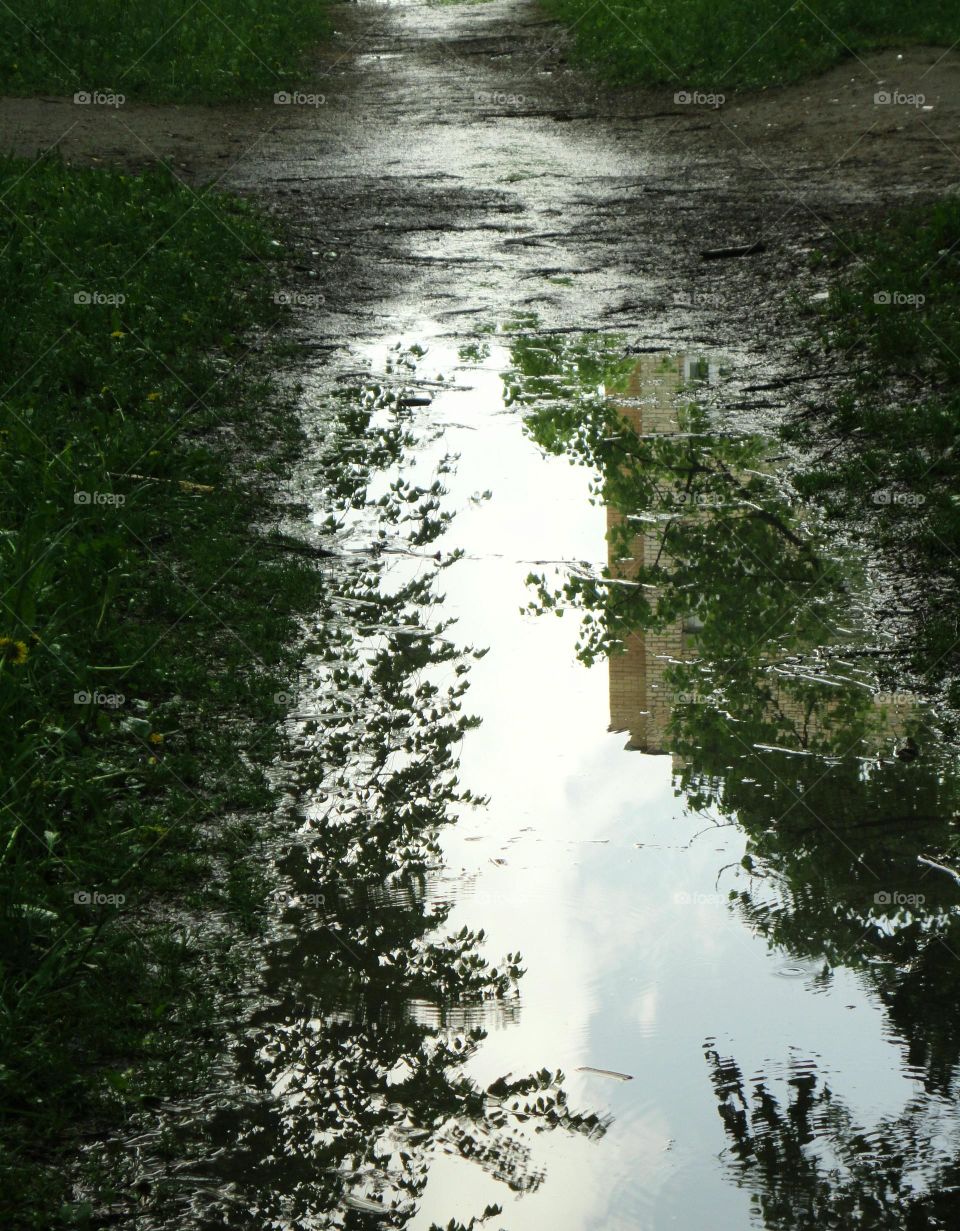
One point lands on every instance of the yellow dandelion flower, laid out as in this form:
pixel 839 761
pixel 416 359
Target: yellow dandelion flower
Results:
pixel 153 397
pixel 156 737
pixel 13 652
pixel 118 333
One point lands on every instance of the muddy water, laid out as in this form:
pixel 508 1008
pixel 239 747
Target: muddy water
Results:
pixel 603 907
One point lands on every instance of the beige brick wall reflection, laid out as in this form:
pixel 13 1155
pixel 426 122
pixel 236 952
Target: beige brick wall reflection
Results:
pixel 639 700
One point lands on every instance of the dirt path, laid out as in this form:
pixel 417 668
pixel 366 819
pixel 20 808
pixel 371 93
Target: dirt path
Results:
pixel 454 144
pixel 457 173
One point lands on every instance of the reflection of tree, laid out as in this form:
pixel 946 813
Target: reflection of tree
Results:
pixel 762 702
pixel 831 852
pixel 775 725
pixel 728 560
pixel 810 1167
pixel 351 1072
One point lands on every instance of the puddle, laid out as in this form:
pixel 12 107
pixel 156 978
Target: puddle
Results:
pixel 605 909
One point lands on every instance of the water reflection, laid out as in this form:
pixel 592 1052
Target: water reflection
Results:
pixel 808 1164
pixel 641 699
pixel 736 647
pixel 349 1077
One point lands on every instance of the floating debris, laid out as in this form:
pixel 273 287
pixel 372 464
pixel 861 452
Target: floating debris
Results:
pixel 717 254
pixel 588 1068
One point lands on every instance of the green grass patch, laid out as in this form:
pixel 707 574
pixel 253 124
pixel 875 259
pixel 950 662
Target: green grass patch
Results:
pixel 145 631
pixel 160 50
pixel 728 44
pixel 888 446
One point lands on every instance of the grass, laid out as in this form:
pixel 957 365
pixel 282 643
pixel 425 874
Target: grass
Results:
pixel 887 444
pixel 158 50
pixel 145 632
pixel 729 44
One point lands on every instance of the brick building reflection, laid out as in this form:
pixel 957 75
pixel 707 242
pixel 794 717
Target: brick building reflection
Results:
pixel 640 699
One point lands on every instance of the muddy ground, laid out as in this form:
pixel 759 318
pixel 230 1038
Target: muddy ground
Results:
pixel 455 145
pixel 446 166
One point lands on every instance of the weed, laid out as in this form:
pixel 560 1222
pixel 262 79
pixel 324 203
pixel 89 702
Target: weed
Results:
pixel 712 44
pixel 144 634
pixel 161 50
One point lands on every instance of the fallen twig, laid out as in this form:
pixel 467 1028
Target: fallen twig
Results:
pixel 717 254
pixel 940 867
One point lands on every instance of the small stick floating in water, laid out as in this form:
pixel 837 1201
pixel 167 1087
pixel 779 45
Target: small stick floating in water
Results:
pixel 588 1068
